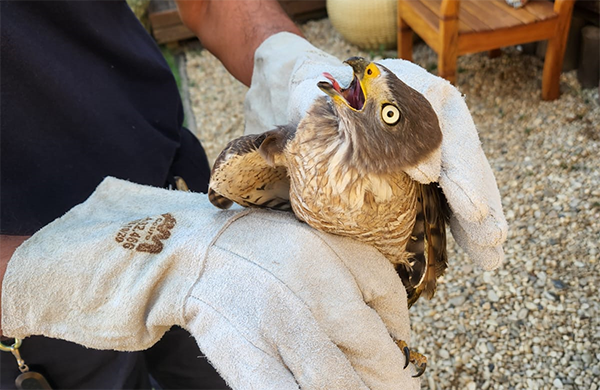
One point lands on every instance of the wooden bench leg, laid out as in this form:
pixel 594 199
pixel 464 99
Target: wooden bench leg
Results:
pixel 449 50
pixel 405 39
pixel 552 69
pixel 555 52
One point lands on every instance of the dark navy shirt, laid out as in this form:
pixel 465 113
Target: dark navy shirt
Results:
pixel 86 93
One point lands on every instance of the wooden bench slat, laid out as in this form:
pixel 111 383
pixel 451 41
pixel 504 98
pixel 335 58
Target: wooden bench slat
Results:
pixel 172 33
pixel 477 17
pixel 541 9
pixel 426 25
pixel 466 15
pixel 488 40
pixel 521 14
pixel 495 20
pixel 164 19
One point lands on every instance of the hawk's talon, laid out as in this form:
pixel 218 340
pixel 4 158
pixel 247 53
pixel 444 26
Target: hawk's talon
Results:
pixel 420 361
pixel 420 369
pixel 406 356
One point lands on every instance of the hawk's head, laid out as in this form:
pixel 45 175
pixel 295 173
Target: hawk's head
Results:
pixel 390 125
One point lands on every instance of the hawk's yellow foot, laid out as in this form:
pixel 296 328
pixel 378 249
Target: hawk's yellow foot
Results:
pixel 420 361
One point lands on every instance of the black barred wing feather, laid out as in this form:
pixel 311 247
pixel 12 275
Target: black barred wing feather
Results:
pixel 251 172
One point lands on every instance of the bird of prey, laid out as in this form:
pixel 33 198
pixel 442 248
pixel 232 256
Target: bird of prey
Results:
pixel 342 171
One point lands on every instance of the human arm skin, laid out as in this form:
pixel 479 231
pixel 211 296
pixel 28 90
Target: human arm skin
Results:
pixel 8 244
pixel 233 30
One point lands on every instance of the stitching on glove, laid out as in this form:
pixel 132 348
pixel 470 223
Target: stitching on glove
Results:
pixel 232 219
pixel 262 214
pixel 239 330
pixel 265 217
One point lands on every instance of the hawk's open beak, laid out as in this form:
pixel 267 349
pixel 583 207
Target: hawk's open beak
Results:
pixel 359 65
pixel 353 96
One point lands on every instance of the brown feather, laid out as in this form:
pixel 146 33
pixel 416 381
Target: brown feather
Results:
pixel 219 200
pixel 431 222
pixel 249 172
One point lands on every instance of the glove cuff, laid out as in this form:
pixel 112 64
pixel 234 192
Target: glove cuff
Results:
pixel 114 272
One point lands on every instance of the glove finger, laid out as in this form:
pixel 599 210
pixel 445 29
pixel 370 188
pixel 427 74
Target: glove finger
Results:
pixel 307 262
pixel 237 360
pixel 275 62
pixel 272 322
pixel 487 257
pixel 380 285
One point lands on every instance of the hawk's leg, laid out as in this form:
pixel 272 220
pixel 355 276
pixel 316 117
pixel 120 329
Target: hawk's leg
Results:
pixel 420 361
pixel 181 184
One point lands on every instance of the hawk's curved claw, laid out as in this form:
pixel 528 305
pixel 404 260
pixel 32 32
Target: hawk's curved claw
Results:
pixel 413 357
pixel 420 369
pixel 407 356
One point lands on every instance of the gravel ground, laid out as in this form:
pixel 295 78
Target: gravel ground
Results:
pixel 535 322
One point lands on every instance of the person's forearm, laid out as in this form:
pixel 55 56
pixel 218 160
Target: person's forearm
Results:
pixel 233 30
pixel 8 244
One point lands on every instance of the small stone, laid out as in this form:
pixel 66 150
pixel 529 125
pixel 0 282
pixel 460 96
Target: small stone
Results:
pixel 471 386
pixel 444 354
pixel 457 301
pixel 487 277
pixel 557 383
pixel 541 279
pixel 587 358
pixel 482 348
pixel 431 383
pixel 492 296
pixel 531 306
pixel 522 314
pixel 558 284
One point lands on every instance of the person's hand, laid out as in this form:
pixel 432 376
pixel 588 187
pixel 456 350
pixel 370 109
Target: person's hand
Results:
pixel 272 302
pixel 284 85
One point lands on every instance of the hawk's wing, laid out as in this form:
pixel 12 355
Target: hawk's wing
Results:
pixel 251 171
pixel 428 263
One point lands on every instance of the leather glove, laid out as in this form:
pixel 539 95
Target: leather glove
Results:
pixel 272 303
pixel 288 68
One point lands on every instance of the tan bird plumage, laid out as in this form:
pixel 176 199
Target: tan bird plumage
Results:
pixel 342 171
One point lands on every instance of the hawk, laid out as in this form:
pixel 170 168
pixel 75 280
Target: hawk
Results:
pixel 342 170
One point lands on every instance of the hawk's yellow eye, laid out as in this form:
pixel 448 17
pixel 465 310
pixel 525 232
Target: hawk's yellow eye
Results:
pixel 390 114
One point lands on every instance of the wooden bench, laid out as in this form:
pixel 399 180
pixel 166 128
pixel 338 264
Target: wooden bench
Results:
pixel 456 27
pixel 166 24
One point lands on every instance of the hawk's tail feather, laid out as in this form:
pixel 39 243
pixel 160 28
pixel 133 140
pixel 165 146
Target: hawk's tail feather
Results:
pixel 428 244
pixel 219 200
